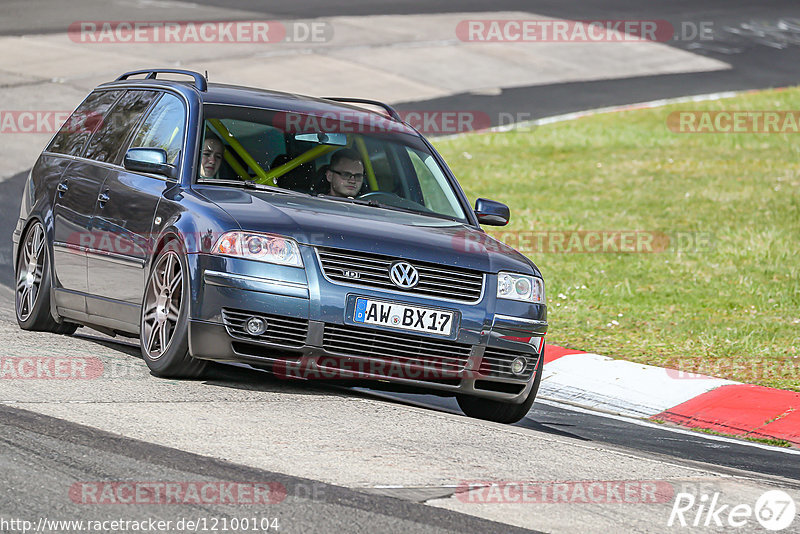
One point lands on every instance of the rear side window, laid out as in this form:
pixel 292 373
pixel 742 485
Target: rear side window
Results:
pixel 83 122
pixel 106 142
pixel 164 128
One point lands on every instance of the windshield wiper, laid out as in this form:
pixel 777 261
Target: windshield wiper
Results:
pixel 252 184
pixel 349 200
pixel 376 204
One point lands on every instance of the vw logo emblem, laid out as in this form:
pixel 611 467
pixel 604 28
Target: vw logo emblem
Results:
pixel 403 275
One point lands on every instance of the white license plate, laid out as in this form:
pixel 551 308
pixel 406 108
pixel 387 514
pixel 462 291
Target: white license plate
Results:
pixel 403 316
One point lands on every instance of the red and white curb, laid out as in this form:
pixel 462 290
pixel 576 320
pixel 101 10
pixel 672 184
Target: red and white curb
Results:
pixel 635 390
pixel 690 400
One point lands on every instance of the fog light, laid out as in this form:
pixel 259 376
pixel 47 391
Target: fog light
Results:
pixel 518 366
pixel 256 326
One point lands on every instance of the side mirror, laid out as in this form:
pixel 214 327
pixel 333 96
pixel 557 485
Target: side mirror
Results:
pixel 491 212
pixel 152 160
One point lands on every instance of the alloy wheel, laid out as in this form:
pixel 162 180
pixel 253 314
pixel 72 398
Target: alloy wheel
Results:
pixel 162 305
pixel 31 271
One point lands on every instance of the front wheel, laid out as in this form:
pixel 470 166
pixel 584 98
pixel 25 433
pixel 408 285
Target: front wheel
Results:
pixel 499 411
pixel 164 329
pixel 32 299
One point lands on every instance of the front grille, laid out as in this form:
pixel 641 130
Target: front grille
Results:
pixel 407 351
pixel 438 281
pixel 286 331
pixel 497 362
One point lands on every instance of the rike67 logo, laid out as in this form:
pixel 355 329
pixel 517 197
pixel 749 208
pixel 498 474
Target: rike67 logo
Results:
pixel 774 510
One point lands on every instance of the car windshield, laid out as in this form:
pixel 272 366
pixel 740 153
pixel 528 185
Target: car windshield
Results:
pixel 358 156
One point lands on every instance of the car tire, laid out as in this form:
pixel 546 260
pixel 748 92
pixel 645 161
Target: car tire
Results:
pixel 164 332
pixel 499 411
pixel 33 285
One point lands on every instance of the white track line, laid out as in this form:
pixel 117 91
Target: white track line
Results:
pixel 609 109
pixel 645 423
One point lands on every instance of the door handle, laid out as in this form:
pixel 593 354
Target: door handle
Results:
pixel 102 198
pixel 62 189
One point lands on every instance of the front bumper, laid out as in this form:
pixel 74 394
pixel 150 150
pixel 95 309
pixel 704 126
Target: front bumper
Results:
pixel 311 334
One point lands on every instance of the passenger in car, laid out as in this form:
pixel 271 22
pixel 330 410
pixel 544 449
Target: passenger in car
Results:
pixel 211 156
pixel 345 173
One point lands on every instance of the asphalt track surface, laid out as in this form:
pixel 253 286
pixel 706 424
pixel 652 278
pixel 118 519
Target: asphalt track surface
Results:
pixel 41 455
pixel 757 62
pixel 38 452
pixel 588 427
pixel 21 17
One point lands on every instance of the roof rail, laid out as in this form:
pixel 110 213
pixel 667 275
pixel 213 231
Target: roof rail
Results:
pixel 199 81
pixel 389 109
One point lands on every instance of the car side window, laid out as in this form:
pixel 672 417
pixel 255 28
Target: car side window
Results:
pixel 164 128
pixel 83 122
pixel 437 194
pixel 106 142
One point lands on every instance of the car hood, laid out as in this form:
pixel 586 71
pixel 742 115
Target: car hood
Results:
pixel 319 222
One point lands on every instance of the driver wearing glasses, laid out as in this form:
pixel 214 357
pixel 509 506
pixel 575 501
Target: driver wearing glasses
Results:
pixel 345 173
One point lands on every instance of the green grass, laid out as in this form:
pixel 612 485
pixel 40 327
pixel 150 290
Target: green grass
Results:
pixel 730 309
pixel 767 441
pixel 775 442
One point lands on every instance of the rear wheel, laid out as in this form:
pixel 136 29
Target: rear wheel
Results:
pixel 165 316
pixel 32 299
pixel 498 411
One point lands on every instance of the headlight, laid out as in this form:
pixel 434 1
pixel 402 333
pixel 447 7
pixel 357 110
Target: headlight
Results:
pixel 520 287
pixel 259 247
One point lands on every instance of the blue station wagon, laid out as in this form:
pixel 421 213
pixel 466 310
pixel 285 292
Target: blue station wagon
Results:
pixel 316 238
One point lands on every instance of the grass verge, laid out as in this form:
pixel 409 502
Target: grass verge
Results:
pixel 767 441
pixel 723 299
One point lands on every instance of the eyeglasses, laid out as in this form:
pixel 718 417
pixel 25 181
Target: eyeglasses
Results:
pixel 347 175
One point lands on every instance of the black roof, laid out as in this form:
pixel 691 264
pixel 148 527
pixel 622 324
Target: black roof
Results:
pixel 236 95
pixel 219 93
